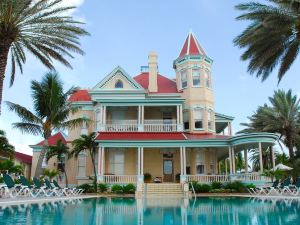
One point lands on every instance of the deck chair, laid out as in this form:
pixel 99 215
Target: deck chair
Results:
pixel 46 191
pixel 11 188
pixel 32 190
pixel 68 191
pixel 285 186
pixel 264 190
pixel 58 192
pixel 295 189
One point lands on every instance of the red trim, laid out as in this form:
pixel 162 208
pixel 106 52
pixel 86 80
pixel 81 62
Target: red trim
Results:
pixel 80 95
pixel 194 48
pixel 23 157
pixel 140 136
pixel 53 140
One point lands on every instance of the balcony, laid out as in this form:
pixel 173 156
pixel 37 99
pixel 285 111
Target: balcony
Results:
pixel 148 126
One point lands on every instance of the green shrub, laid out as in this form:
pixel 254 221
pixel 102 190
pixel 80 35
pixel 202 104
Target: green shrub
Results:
pixel 129 189
pixel 147 177
pixel 250 186
pixel 102 187
pixel 221 190
pixel 216 185
pixel 87 188
pixel 118 189
pixel 194 183
pixel 201 188
pixel 1 180
pixel 236 186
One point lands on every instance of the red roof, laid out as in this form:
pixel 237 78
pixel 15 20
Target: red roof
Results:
pixel 193 136
pixel 23 157
pixel 80 96
pixel 165 85
pixel 140 136
pixel 53 140
pixel 191 47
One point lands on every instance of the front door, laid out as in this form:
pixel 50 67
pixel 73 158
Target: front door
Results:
pixel 168 170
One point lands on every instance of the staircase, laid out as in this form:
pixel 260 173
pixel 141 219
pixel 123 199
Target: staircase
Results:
pixel 163 190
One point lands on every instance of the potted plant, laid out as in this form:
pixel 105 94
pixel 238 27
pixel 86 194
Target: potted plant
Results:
pixel 147 177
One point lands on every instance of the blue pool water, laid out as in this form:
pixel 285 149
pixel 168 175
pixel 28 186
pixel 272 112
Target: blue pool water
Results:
pixel 123 211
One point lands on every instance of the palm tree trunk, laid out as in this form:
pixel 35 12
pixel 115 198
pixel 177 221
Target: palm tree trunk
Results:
pixel 95 171
pixel 39 169
pixel 66 177
pixel 4 49
pixel 290 145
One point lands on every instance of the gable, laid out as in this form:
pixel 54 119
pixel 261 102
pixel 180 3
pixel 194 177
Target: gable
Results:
pixel 120 77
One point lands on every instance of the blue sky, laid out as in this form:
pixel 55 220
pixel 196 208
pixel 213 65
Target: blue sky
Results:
pixel 123 32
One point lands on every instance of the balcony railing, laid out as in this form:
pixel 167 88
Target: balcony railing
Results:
pixel 148 126
pixel 246 177
pixel 120 179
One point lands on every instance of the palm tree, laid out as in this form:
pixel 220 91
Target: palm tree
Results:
pixel 282 116
pixel 239 161
pixel 6 149
pixel 50 173
pixel 86 142
pixel 61 152
pixel 272 38
pixel 39 27
pixel 281 158
pixel 10 167
pixel 51 112
pixel 266 159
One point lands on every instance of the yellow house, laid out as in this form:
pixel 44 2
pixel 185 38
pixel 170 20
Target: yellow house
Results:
pixel 165 127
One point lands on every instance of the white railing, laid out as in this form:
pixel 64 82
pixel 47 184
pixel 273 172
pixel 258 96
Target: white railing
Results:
pixel 159 121
pixel 122 122
pixel 248 177
pixel 121 127
pixel 160 127
pixel 120 179
pixel 207 178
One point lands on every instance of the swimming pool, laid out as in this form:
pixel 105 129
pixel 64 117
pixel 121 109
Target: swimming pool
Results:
pixel 156 211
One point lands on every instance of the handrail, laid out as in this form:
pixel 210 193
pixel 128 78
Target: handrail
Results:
pixel 193 189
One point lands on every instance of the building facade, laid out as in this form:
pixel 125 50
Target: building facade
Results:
pixel 165 127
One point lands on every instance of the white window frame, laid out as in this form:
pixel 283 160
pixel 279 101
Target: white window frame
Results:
pixel 98 119
pixel 210 119
pixel 200 161
pixel 112 163
pixel 186 118
pixel 196 76
pixel 184 78
pixel 207 78
pixel 119 82
pixel 83 157
pixel 198 119
pixel 84 128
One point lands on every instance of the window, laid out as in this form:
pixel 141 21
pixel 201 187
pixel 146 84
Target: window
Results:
pixel 198 118
pixel 200 168
pixel 183 79
pixel 212 166
pixel 207 79
pixel 81 165
pixel 116 162
pixel 84 128
pixel 44 163
pixel 98 120
pixel 119 84
pixel 210 119
pixel 186 122
pixel 196 77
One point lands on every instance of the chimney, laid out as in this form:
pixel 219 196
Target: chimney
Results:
pixel 153 70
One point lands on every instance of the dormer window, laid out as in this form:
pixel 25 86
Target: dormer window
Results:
pixel 119 84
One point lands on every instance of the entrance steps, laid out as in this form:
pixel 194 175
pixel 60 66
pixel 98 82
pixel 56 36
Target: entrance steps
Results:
pixel 162 190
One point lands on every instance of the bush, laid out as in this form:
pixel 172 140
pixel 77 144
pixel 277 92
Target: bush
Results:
pixel 236 186
pixel 221 190
pixel 250 186
pixel 118 189
pixel 129 189
pixel 1 180
pixel 201 188
pixel 102 187
pixel 216 185
pixel 87 188
pixel 147 177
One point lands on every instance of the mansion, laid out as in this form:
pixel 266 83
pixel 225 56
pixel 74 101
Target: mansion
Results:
pixel 161 126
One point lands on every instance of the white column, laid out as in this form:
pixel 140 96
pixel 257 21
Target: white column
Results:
pixel 229 129
pixel 184 160
pixel 181 160
pixel 230 159
pixel 273 156
pixel 246 160
pixel 181 114
pixel 260 158
pixel 142 160
pixel 139 114
pixel 103 162
pixel 178 116
pixel 233 160
pixel 99 161
pixel 139 162
pixel 143 114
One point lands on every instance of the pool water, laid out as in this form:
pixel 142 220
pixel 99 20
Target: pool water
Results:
pixel 156 211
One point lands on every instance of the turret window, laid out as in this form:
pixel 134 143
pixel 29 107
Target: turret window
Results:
pixel 207 79
pixel 196 78
pixel 198 118
pixel 210 119
pixel 186 122
pixel 119 84
pixel 98 120
pixel 183 79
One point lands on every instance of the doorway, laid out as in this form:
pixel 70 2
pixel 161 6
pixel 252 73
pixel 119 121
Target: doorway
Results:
pixel 168 168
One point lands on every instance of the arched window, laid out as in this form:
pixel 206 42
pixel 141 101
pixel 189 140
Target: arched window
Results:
pixel 119 84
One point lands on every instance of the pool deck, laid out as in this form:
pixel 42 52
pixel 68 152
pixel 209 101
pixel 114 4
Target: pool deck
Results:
pixel 29 200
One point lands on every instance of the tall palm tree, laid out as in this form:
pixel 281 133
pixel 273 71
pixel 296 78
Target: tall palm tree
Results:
pixel 50 173
pixel 61 152
pixel 86 142
pixel 38 27
pixel 282 116
pixel 51 110
pixel 272 38
pixel 281 158
pixel 266 159
pixel 6 149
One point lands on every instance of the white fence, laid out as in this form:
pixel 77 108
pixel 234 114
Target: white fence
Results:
pixel 120 179
pixel 248 177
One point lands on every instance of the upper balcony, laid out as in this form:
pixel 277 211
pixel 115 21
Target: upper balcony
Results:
pixel 140 119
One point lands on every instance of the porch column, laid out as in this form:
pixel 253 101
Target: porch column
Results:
pixel 233 160
pixel 184 160
pixel 104 115
pixel 219 167
pixel 140 165
pixel 226 169
pixel 179 118
pixel 229 129
pixel 273 156
pixel 246 160
pixel 100 163
pixel 230 159
pixel 142 160
pixel 140 118
pixel 139 162
pixel 260 158
pixel 103 162
pixel 181 166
